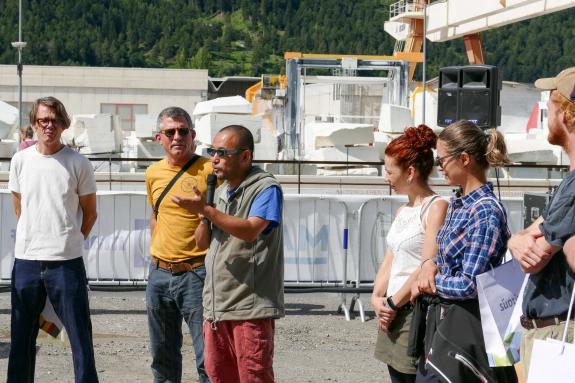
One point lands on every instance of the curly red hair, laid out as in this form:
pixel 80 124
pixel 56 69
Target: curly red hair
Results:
pixel 414 148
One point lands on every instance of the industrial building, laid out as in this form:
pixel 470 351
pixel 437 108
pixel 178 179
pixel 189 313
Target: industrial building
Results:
pixel 125 92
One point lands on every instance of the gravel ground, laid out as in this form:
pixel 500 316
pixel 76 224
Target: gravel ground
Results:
pixel 313 343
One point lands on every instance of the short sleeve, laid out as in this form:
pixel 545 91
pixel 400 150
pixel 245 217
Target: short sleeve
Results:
pixel 149 186
pixel 559 224
pixel 268 205
pixel 86 178
pixel 13 180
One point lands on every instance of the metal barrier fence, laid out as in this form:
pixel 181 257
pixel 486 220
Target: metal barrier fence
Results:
pixel 331 242
pixel 301 177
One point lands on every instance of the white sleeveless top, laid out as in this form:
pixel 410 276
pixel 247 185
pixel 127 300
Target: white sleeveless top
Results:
pixel 405 239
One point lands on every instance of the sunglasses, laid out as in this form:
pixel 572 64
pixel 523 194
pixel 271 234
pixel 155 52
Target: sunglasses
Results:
pixel 440 161
pixel 45 122
pixel 223 152
pixel 172 132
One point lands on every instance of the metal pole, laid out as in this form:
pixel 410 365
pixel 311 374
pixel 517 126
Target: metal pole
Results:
pixel 292 107
pixel 20 66
pixel 424 56
pixel 19 45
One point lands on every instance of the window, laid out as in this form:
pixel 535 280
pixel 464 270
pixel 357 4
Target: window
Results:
pixel 126 112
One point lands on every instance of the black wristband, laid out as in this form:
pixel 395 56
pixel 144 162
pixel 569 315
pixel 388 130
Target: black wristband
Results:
pixel 391 304
pixel 205 221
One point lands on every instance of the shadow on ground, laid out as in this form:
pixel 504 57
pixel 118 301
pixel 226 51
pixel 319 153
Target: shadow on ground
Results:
pixel 117 312
pixel 313 309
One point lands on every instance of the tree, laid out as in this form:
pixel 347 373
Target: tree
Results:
pixel 250 36
pixel 201 59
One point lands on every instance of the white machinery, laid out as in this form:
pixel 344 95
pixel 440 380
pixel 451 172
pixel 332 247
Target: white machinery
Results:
pixel 213 115
pixel 451 19
pixel 8 130
pixel 94 134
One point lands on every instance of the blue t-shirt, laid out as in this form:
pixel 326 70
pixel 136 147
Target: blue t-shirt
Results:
pixel 548 292
pixel 268 205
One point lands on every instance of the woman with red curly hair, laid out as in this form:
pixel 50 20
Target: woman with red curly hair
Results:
pixel 410 242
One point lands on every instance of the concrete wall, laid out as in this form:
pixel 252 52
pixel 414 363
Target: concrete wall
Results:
pixel 83 89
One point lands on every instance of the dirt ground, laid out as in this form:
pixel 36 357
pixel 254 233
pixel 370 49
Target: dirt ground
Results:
pixel 313 343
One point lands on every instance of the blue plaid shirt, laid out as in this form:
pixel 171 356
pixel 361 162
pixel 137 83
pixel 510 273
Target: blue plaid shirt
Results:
pixel 472 239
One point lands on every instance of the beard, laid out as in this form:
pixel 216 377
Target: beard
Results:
pixel 556 136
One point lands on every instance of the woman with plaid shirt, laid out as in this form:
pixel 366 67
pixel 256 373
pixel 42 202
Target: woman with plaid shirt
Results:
pixel 472 240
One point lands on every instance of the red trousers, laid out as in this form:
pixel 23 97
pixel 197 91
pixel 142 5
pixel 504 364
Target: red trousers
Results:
pixel 239 351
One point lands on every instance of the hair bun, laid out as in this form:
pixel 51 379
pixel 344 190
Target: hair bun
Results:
pixel 421 138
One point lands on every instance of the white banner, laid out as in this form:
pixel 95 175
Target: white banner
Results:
pixel 327 238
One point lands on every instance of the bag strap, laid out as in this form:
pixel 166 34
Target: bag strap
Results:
pixel 567 321
pixel 425 209
pixel 172 182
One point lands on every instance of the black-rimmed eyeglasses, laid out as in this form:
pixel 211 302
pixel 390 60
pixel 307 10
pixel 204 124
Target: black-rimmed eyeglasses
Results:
pixel 45 122
pixel 223 152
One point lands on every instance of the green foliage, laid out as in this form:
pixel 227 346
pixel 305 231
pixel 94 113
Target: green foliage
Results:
pixel 201 59
pixel 249 37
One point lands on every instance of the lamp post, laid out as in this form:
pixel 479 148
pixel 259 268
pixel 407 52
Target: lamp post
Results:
pixel 19 45
pixel 424 56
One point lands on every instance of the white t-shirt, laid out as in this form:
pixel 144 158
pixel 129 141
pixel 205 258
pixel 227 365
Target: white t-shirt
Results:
pixel 49 228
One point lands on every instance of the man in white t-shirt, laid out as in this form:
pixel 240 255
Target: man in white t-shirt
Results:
pixel 54 195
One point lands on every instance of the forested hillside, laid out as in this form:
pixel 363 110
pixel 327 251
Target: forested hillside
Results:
pixel 249 37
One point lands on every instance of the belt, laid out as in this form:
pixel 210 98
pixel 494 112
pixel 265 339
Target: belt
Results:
pixel 178 267
pixel 530 324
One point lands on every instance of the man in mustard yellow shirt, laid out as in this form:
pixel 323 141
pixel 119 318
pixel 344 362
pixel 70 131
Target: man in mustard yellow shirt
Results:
pixel 177 271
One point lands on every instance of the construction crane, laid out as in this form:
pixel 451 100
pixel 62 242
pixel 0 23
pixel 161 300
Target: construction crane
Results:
pixel 452 19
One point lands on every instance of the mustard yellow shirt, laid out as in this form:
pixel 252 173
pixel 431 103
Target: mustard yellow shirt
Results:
pixel 173 237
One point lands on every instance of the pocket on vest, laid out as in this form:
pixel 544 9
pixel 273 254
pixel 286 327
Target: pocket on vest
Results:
pixel 235 283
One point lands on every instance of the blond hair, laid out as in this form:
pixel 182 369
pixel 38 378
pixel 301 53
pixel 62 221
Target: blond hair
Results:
pixel 486 147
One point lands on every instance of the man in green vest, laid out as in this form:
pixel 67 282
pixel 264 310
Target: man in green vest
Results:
pixel 243 292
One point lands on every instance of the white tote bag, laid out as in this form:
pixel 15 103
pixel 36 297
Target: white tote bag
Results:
pixel 500 293
pixel 553 360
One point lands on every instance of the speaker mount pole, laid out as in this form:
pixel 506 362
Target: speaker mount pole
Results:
pixel 424 80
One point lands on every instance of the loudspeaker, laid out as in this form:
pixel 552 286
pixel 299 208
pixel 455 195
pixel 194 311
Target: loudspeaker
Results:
pixel 448 98
pixel 447 112
pixel 473 91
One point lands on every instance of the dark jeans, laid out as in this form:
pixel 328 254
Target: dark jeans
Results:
pixel 399 377
pixel 171 298
pixel 65 284
pixel 423 375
